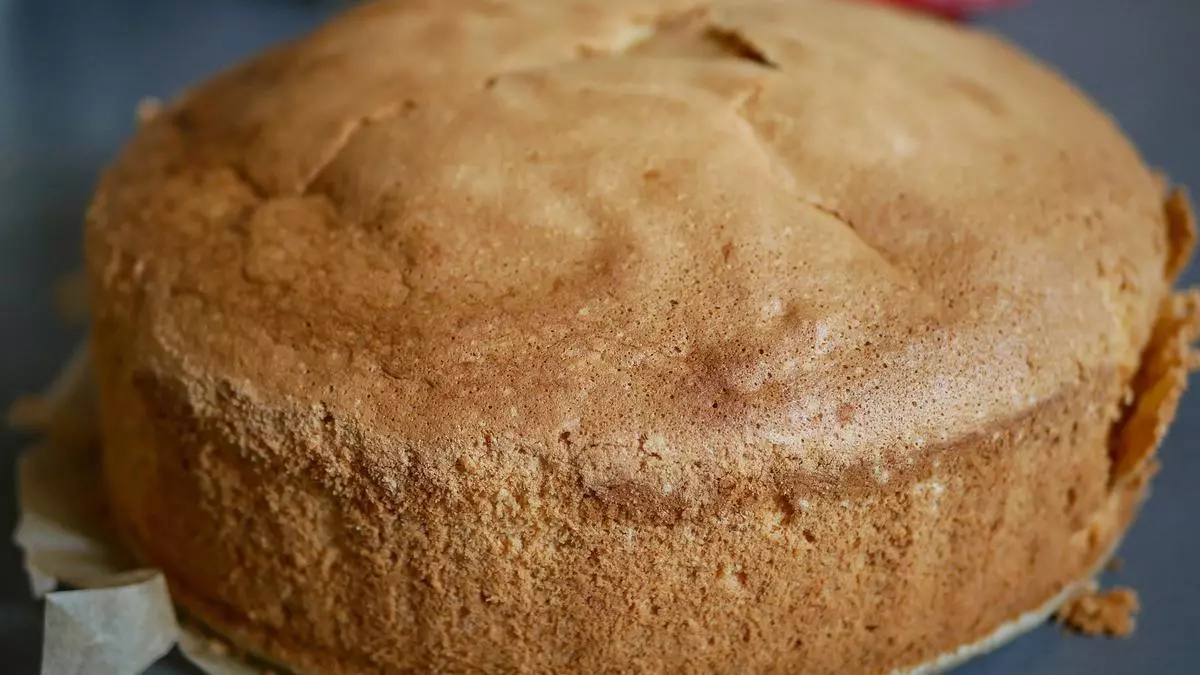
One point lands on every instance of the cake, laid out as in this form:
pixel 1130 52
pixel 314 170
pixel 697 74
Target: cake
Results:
pixel 485 336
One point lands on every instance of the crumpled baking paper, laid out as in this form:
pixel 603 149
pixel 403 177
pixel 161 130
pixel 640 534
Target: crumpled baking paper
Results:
pixel 118 619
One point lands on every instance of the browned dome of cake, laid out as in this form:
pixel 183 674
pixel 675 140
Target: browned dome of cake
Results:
pixel 630 336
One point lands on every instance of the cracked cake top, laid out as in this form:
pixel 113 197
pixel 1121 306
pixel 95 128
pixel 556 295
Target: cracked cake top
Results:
pixel 747 235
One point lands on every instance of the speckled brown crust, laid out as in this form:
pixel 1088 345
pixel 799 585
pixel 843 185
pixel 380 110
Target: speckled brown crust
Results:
pixel 626 336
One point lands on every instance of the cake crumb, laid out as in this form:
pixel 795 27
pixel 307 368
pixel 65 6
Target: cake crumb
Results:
pixel 1093 612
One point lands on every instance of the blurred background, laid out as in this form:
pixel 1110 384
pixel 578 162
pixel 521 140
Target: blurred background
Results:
pixel 72 72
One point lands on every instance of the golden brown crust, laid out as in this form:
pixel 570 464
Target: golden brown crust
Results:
pixel 1181 231
pixel 806 282
pixel 630 335
pixel 1157 386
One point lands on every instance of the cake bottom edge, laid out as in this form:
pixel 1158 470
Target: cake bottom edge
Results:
pixel 1011 630
pixel 1107 528
pixel 1006 633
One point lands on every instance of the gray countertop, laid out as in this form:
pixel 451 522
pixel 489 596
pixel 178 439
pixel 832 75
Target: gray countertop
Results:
pixel 71 72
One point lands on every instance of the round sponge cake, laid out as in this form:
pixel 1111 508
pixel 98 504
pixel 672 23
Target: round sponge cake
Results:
pixel 626 336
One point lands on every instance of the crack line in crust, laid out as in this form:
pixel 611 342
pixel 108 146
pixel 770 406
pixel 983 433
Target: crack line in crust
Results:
pixel 187 146
pixel 384 113
pixel 239 171
pixel 849 225
pixel 675 33
pixel 788 182
pixel 730 41
pixel 739 45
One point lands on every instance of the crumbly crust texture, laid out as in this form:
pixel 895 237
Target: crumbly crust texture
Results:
pixel 494 336
pixel 1095 612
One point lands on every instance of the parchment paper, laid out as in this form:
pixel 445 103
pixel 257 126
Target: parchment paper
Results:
pixel 119 619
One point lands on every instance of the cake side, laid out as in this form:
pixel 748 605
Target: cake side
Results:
pixel 299 557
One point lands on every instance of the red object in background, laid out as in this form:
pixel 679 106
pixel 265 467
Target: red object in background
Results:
pixel 952 9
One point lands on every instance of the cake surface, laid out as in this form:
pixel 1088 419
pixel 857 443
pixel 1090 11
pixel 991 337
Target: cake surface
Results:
pixel 495 336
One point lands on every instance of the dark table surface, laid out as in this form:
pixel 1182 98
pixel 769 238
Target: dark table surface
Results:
pixel 71 72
